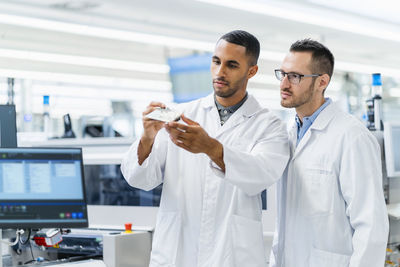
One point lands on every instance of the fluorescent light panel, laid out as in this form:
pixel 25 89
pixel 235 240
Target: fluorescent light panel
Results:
pixel 363 68
pixel 385 10
pixel 84 61
pixel 318 17
pixel 83 92
pixel 187 43
pixel 87 79
pixel 104 33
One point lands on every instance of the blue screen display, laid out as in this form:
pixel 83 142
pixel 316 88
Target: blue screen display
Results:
pixel 42 187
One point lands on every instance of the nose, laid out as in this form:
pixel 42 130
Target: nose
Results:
pixel 220 72
pixel 285 82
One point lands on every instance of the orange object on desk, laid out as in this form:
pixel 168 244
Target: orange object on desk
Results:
pixel 128 228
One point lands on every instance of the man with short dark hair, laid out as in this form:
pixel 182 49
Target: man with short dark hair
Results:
pixel 213 166
pixel 331 209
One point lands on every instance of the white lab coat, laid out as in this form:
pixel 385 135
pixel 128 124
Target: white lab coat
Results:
pixel 331 209
pixel 208 218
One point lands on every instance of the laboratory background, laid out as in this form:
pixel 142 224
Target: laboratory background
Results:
pixel 76 75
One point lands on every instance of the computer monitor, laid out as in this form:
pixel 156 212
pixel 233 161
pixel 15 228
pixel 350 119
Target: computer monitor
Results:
pixel 392 148
pixel 42 188
pixel 8 126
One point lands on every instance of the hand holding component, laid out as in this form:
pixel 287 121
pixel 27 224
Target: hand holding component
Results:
pixel 193 138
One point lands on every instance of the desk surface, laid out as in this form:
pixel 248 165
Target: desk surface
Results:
pixel 85 263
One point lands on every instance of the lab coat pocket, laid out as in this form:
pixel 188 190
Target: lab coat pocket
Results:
pixel 317 192
pixel 247 242
pixel 324 258
pixel 166 238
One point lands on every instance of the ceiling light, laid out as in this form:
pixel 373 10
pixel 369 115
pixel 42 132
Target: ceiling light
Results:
pixel 85 61
pixel 88 92
pixel 315 16
pixel 386 9
pixel 178 42
pixel 87 79
pixel 368 69
pixel 105 33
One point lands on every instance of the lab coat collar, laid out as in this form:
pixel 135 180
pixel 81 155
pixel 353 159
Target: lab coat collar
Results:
pixel 324 117
pixel 320 123
pixel 208 101
pixel 248 109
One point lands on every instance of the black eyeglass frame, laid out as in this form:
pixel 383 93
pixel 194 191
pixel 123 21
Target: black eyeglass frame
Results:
pixel 293 73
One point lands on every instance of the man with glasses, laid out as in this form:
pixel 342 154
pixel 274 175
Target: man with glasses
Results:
pixel 331 209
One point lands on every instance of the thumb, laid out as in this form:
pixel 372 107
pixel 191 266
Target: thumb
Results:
pixel 188 121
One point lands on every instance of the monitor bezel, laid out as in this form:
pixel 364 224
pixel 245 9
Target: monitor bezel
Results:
pixel 389 153
pixel 72 224
pixel 10 121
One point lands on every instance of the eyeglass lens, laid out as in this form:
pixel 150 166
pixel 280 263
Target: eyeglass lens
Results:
pixel 292 77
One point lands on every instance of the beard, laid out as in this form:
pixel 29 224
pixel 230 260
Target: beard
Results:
pixel 230 89
pixel 297 101
pixel 227 93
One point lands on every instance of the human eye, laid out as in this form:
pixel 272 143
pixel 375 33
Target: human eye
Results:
pixel 294 75
pixel 216 61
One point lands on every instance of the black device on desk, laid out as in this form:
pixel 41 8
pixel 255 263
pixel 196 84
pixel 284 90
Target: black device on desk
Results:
pixel 8 127
pixel 68 132
pixel 42 188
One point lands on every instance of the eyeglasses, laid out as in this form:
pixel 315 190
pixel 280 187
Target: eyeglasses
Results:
pixel 294 78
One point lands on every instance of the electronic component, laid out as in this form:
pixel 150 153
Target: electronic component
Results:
pixel 48 238
pixel 164 114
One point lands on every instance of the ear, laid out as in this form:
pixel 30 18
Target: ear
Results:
pixel 252 71
pixel 322 82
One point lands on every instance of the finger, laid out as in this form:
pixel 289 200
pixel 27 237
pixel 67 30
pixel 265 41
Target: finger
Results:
pixel 188 121
pixel 152 106
pixel 176 134
pixel 157 104
pixel 148 110
pixel 176 125
pixel 180 144
pixel 175 140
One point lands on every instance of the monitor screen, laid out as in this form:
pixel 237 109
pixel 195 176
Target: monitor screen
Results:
pixel 392 149
pixel 42 187
pixel 8 126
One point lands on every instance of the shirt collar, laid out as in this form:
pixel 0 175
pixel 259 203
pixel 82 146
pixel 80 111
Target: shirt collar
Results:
pixel 248 109
pixel 231 109
pixel 312 118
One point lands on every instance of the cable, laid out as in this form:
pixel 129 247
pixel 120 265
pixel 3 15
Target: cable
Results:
pixel 39 259
pixel 27 239
pixel 30 245
pixel 18 234
pixel 83 257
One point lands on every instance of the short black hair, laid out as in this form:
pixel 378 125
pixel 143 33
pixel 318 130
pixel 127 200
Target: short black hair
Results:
pixel 247 40
pixel 322 60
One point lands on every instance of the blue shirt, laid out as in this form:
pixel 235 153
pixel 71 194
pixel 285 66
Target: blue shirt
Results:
pixel 307 121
